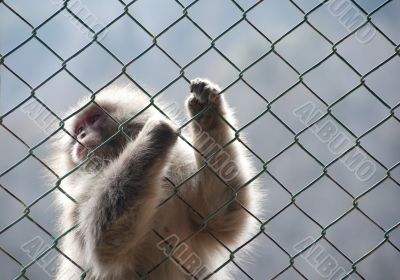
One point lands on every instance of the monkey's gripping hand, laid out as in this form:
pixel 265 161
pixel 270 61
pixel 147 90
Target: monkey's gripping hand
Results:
pixel 203 91
pixel 156 138
pixel 119 215
pixel 205 95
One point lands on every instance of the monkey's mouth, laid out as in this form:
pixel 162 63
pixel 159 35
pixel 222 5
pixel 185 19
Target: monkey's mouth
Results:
pixel 81 151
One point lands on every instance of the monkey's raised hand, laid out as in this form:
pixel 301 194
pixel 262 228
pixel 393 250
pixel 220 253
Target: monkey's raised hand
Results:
pixel 205 94
pixel 204 91
pixel 159 135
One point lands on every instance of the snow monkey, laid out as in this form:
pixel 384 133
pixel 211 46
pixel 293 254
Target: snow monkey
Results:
pixel 157 207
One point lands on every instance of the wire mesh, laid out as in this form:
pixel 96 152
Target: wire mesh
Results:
pixel 269 104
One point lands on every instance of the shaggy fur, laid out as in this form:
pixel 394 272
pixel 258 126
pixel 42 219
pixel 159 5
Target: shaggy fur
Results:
pixel 120 222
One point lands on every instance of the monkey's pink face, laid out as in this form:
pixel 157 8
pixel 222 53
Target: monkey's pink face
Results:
pixel 89 129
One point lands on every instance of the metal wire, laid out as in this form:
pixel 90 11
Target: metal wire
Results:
pixel 269 108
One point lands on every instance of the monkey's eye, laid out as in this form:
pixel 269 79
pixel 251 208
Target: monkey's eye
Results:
pixel 79 130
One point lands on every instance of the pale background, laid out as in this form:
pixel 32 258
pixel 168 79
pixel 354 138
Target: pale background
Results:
pixel 354 235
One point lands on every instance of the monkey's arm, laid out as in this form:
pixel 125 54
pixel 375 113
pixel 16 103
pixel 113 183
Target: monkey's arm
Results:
pixel 119 214
pixel 224 175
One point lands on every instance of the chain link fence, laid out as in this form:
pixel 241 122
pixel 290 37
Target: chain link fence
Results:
pixel 305 126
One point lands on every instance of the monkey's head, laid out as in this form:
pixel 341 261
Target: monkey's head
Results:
pixel 97 127
pixel 90 128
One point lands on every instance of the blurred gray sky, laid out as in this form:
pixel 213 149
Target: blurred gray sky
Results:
pixel 326 200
